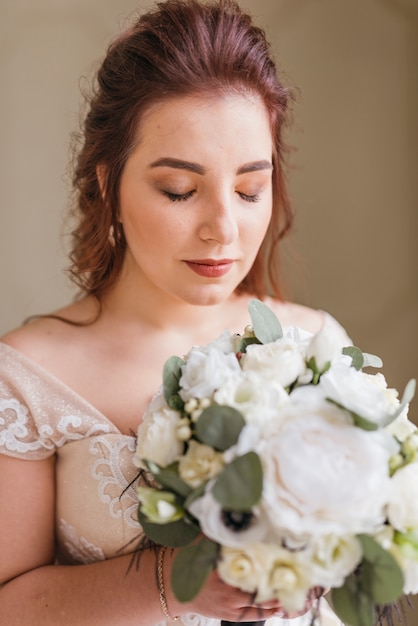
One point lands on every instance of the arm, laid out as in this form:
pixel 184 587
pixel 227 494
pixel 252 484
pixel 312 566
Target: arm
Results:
pixel 35 591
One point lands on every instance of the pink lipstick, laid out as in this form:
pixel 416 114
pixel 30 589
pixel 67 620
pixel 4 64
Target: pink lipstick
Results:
pixel 210 268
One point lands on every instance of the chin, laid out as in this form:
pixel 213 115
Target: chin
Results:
pixel 209 296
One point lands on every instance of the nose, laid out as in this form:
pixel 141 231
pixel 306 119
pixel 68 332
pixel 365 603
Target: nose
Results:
pixel 219 221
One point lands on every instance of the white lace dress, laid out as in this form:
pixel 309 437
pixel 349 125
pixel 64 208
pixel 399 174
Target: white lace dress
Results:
pixel 95 504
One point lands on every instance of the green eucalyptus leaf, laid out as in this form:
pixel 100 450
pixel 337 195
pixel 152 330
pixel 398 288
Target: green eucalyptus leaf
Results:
pixel 219 426
pixel 352 606
pixel 363 423
pixel 168 477
pixel 239 485
pixel 173 534
pixel 265 323
pixel 171 377
pixel 380 576
pixel 359 421
pixel 356 356
pixel 191 568
pixel 247 341
pixel 371 360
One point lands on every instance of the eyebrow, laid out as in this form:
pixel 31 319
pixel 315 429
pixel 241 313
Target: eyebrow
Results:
pixel 179 164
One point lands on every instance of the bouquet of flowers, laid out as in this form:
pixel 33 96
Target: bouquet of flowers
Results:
pixel 279 461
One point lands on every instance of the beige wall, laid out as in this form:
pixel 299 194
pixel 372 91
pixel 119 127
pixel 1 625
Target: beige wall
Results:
pixel 354 181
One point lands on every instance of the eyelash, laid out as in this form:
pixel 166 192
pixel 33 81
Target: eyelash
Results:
pixel 182 197
pixel 248 198
pixel 179 197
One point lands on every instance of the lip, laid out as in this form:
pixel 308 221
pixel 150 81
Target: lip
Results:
pixel 210 268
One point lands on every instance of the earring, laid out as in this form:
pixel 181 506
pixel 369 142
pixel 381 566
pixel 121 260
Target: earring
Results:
pixel 111 236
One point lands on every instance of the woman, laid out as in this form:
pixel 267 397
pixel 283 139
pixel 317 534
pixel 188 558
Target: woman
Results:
pixel 180 201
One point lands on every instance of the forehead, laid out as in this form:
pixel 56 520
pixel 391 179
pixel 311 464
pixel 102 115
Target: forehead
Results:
pixel 197 122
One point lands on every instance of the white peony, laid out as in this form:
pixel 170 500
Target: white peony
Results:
pixel 199 464
pixel 402 507
pixel 205 370
pixel 157 434
pixel 366 395
pixel 323 476
pixel 281 361
pixel 255 398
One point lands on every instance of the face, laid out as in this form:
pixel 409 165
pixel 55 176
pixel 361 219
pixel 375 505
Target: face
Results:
pixel 196 197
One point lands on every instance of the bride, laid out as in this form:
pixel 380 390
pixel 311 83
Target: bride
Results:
pixel 180 204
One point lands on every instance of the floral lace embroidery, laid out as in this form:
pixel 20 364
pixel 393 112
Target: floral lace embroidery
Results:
pixel 77 422
pixel 15 423
pixel 81 550
pixel 113 481
pixel 17 426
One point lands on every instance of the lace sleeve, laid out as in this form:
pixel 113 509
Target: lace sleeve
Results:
pixel 19 435
pixel 38 413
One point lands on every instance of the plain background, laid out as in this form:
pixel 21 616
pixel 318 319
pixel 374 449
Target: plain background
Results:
pixel 354 178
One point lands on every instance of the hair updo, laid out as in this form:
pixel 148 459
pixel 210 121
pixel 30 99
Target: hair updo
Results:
pixel 180 48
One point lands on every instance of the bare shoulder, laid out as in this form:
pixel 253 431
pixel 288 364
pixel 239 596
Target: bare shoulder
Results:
pixel 45 335
pixel 293 314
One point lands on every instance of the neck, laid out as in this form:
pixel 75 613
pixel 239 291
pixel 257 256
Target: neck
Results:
pixel 160 311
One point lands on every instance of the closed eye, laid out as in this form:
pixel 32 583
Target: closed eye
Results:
pixel 179 197
pixel 248 197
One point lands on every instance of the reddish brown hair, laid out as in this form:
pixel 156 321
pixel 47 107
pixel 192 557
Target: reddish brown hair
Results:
pixel 182 47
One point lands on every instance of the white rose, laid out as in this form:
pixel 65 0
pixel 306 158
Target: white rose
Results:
pixel 214 525
pixel 157 434
pixel 402 507
pixel 204 371
pixel 333 558
pixel 257 399
pixel 268 570
pixel 281 361
pixel 324 476
pixel 199 464
pixel 244 567
pixel 366 395
pixel 325 347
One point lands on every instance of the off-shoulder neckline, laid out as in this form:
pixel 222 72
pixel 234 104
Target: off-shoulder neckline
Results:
pixel 46 374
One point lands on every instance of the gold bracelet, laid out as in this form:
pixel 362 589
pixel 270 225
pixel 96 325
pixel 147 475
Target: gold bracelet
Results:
pixel 161 588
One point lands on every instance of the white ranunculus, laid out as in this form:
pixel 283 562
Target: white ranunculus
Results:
pixel 281 361
pixel 244 567
pixel 299 337
pixel 324 476
pixel 204 371
pixel 402 507
pixel 257 399
pixel 157 434
pixel 208 511
pixel 333 558
pixel 199 464
pixel 366 395
pixel 325 347
pixel 269 571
